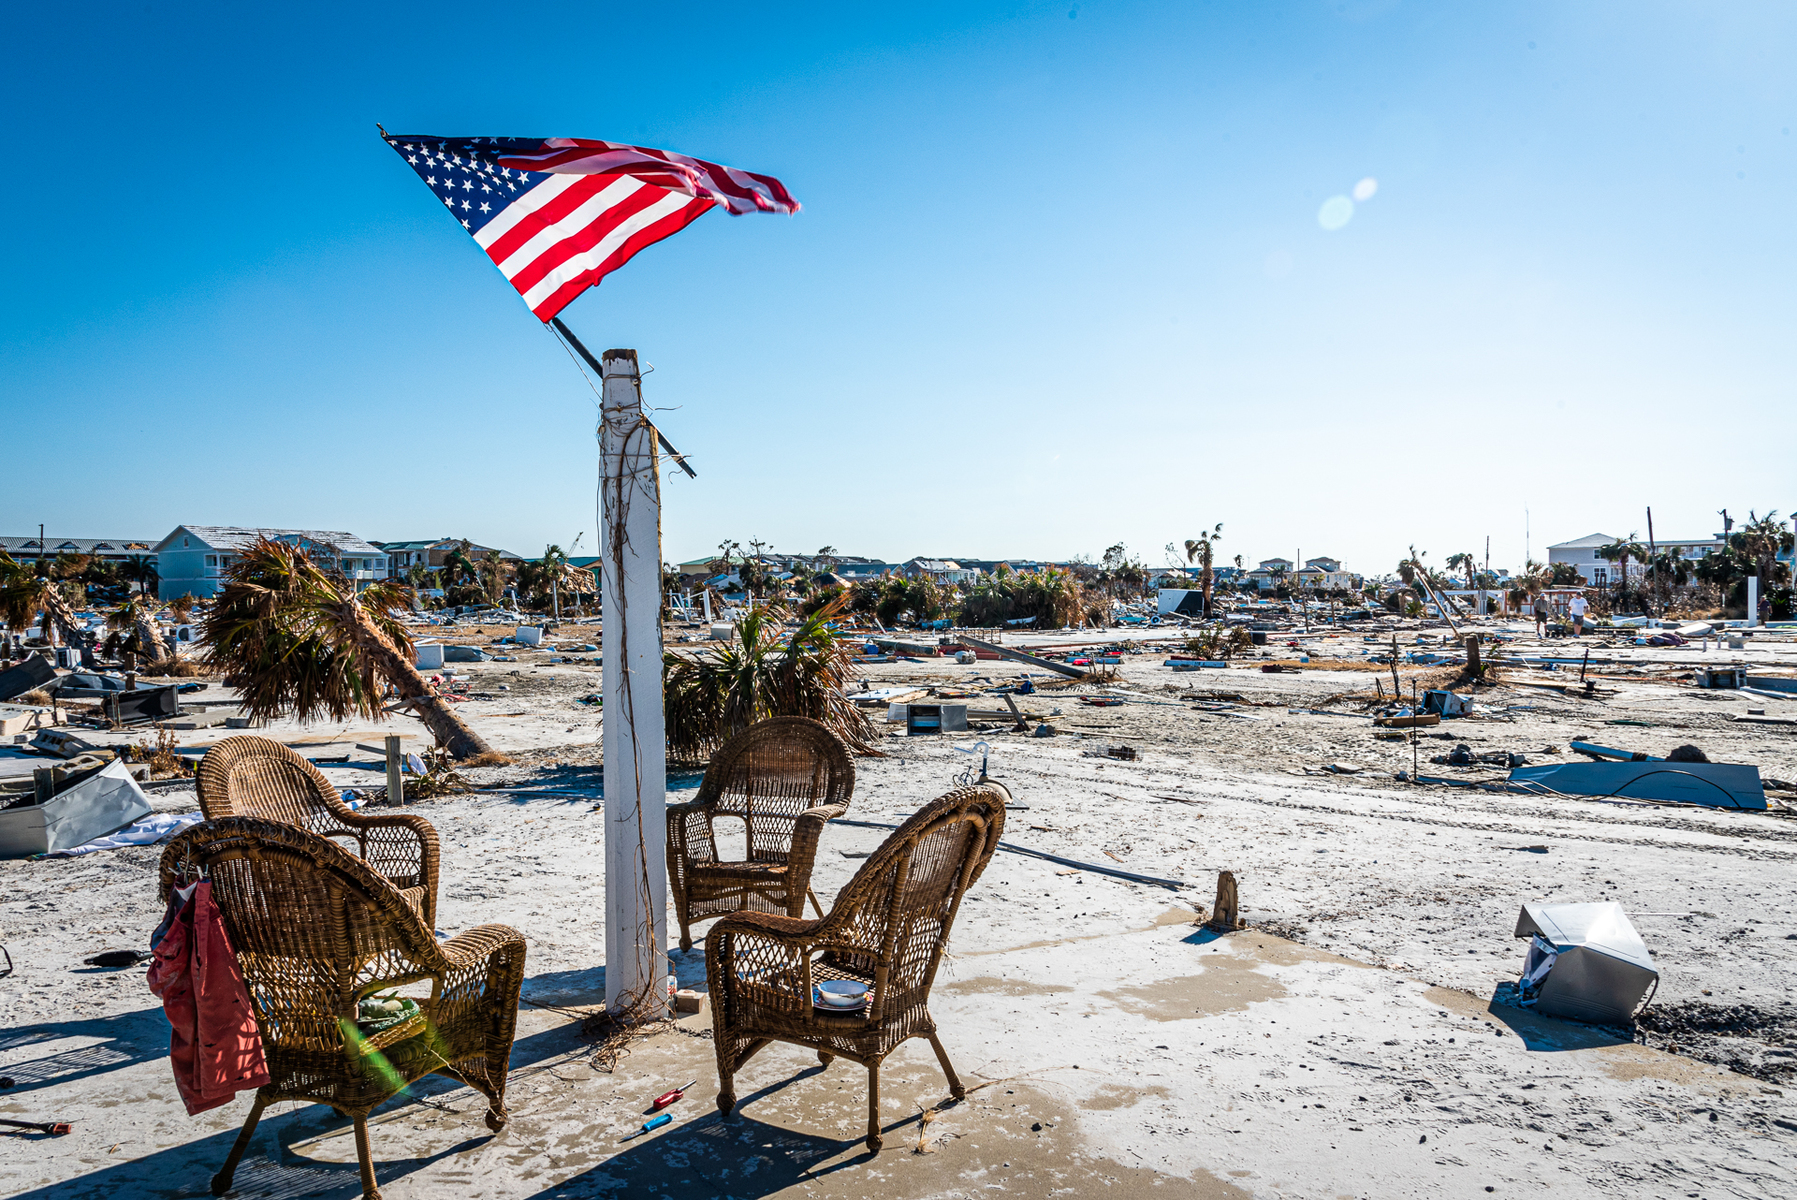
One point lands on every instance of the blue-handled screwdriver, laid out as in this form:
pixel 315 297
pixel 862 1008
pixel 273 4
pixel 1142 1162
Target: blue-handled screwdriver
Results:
pixel 651 1123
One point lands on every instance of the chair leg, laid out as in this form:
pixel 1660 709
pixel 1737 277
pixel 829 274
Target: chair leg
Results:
pixel 221 1182
pixel 497 1116
pixel 815 906
pixel 370 1190
pixel 726 1095
pixel 726 1076
pixel 954 1081
pixel 873 1107
pixel 825 1058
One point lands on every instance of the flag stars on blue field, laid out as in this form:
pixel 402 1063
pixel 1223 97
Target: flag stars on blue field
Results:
pixel 467 176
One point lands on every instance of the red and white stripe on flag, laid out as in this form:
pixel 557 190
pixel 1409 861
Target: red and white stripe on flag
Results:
pixel 557 215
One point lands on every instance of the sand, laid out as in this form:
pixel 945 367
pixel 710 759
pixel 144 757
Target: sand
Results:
pixel 1351 1041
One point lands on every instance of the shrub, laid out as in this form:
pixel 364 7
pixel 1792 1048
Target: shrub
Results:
pixel 728 688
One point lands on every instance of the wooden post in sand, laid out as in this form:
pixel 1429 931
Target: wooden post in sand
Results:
pixel 396 782
pixel 635 738
pixel 1223 914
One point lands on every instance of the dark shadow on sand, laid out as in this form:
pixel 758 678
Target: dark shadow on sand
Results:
pixel 1545 1034
pixel 125 1039
pixel 711 1158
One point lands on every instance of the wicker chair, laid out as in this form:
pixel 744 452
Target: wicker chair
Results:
pixel 316 930
pixel 887 929
pixel 783 778
pixel 254 777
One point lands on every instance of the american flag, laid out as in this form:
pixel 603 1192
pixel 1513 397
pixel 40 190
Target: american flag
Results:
pixel 557 215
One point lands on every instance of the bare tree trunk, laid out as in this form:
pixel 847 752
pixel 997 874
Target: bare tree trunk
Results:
pixel 149 639
pixel 63 617
pixel 444 723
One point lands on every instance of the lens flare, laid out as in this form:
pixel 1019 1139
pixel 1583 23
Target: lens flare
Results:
pixel 1363 191
pixel 1336 212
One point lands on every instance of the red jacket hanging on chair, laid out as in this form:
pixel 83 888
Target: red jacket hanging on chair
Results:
pixel 215 1046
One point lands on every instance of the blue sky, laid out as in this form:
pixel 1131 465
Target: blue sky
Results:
pixel 1060 279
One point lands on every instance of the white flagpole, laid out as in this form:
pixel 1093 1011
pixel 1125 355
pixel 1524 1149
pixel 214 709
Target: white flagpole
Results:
pixel 635 741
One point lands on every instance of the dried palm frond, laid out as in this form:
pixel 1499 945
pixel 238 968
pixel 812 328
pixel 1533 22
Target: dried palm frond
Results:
pixel 439 778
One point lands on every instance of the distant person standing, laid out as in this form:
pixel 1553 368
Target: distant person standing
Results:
pixel 1576 608
pixel 1541 615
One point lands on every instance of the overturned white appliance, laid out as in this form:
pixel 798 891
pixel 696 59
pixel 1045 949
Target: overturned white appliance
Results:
pixel 1585 963
pixel 105 802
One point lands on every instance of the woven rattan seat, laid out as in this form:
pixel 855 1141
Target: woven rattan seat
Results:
pixel 248 776
pixel 886 929
pixel 784 778
pixel 316 930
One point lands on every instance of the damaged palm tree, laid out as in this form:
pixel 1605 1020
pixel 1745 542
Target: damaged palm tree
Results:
pixel 134 624
pixel 24 594
pixel 295 638
pixel 1203 549
pixel 758 675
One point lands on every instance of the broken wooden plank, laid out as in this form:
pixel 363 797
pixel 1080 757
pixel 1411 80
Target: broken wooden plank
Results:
pixel 196 720
pixel 1030 659
pixel 1022 726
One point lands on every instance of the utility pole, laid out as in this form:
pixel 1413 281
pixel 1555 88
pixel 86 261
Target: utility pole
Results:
pixel 1653 567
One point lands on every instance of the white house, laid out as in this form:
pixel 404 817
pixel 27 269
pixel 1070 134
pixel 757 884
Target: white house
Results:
pixel 192 560
pixel 1582 553
pixel 940 570
pixel 1326 573
pixel 1321 573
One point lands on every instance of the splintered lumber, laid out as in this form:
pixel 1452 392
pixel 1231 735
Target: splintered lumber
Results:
pixel 1022 726
pixel 1031 659
pixel 1412 721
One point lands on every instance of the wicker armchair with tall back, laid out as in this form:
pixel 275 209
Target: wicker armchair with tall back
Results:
pixel 316 930
pixel 247 776
pixel 887 929
pixel 783 778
